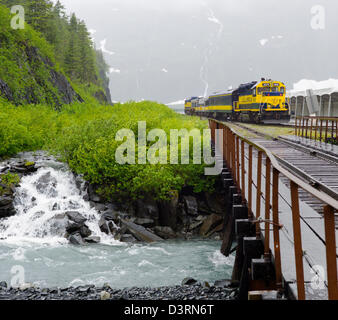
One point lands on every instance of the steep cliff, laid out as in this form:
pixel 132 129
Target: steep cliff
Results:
pixel 30 72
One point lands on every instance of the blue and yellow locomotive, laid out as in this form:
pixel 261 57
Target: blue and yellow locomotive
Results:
pixel 251 102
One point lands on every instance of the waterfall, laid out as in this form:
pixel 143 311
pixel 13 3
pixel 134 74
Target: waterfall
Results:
pixel 41 201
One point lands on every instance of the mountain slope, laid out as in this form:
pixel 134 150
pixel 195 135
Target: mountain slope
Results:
pixel 32 72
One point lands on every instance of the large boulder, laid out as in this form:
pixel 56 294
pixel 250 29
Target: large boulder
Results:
pixel 6 207
pixel 103 225
pixel 165 232
pixel 210 223
pixel 140 233
pixel 147 208
pixel 85 231
pixel 189 282
pixel 128 238
pixel 76 217
pixel 191 205
pixel 92 239
pixel 168 213
pixel 23 167
pixel 215 202
pixel 76 239
pixel 145 222
pixel 5 201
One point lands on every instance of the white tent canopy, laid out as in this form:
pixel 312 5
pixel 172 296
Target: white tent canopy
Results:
pixel 314 97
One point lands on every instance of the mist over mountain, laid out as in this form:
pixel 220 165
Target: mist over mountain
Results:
pixel 167 50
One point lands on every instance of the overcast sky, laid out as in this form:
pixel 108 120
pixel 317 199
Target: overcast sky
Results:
pixel 167 50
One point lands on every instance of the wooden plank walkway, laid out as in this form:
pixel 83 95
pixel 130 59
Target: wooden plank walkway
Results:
pixel 324 171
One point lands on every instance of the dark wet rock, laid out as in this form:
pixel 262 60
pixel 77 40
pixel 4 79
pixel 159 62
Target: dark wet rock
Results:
pixel 147 208
pixel 104 226
pixel 7 208
pixel 222 283
pixel 76 217
pixel 128 238
pixel 195 224
pixel 112 227
pixel 73 227
pixel 92 239
pixel 217 229
pixel 210 223
pixel 23 168
pixel 168 213
pixel 76 239
pixel 191 205
pixel 140 233
pixel 189 282
pixel 3 284
pixel 165 232
pixel 145 222
pixel 85 231
pixel 111 216
pixel 5 201
pixel 215 202
pixel 92 193
pixel 98 206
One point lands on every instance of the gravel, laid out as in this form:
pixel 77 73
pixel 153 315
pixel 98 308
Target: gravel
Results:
pixel 90 292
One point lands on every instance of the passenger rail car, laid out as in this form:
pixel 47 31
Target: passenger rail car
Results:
pixel 257 102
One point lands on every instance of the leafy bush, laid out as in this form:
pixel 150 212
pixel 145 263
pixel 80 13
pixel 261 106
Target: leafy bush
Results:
pixel 84 137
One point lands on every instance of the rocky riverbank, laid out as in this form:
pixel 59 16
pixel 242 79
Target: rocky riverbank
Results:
pixel 187 215
pixel 191 290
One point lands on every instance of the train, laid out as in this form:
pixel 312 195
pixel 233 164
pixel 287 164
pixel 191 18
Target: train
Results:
pixel 257 102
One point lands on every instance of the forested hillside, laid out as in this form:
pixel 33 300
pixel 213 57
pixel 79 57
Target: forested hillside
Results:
pixel 35 60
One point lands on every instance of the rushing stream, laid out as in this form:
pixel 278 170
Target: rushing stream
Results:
pixel 33 241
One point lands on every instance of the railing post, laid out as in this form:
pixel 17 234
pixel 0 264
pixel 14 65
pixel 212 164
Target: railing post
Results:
pixel 237 165
pixel 297 240
pixel 311 128
pixel 326 129
pixel 267 207
pixel 250 182
pixel 321 130
pixel 276 227
pixel 307 127
pixel 316 131
pixel 331 260
pixel 296 122
pixel 243 170
pixel 259 192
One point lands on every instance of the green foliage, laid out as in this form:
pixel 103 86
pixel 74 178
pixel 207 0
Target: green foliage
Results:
pixel 9 179
pixel 63 43
pixel 84 136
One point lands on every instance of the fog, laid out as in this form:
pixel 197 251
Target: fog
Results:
pixel 166 50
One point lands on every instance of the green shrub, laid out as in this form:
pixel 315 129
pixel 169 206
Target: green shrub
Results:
pixel 84 136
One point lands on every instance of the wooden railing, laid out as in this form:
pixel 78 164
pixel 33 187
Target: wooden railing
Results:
pixel 317 128
pixel 238 155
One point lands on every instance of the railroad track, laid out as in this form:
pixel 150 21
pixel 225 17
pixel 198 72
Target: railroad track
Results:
pixel 317 168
